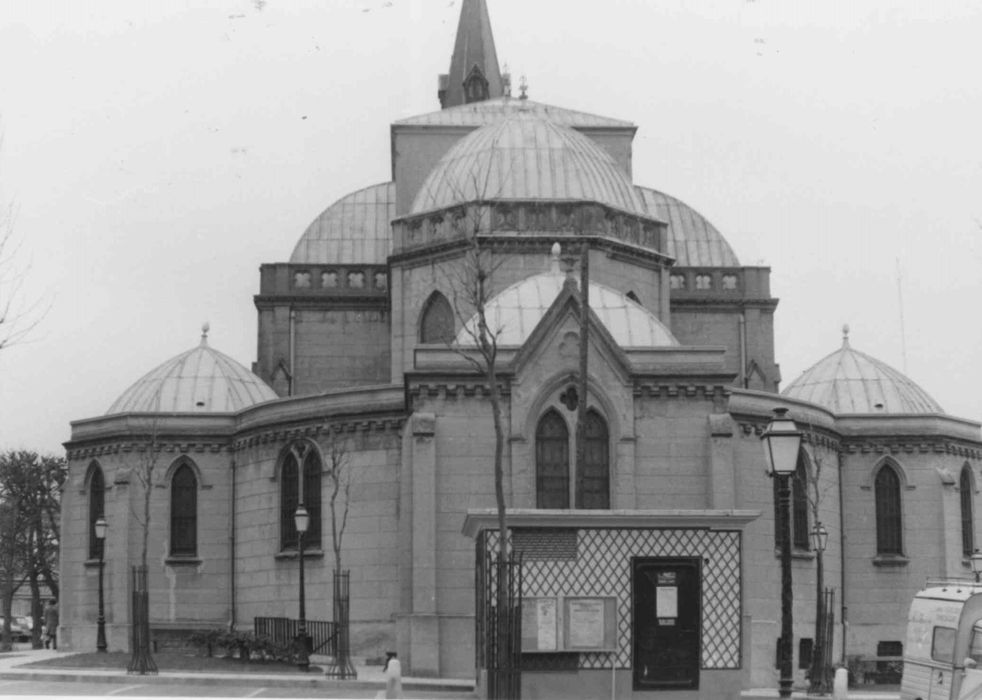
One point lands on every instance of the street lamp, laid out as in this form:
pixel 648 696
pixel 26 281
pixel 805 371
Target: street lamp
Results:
pixel 820 540
pixel 100 533
pixel 302 519
pixel 782 439
pixel 976 560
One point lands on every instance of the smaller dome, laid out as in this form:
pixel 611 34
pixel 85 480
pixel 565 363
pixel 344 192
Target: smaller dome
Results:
pixel 522 157
pixel 692 240
pixel 355 229
pixel 201 380
pixel 849 381
pixel 517 310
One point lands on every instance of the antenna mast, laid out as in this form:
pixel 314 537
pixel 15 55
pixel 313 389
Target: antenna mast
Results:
pixel 903 331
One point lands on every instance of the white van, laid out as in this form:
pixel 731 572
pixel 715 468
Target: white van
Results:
pixel 943 652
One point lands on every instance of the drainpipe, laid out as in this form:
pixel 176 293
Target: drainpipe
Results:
pixel 231 547
pixel 293 351
pixel 842 556
pixel 742 325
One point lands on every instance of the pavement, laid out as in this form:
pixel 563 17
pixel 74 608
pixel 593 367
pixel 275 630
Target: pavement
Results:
pixel 762 693
pixel 13 667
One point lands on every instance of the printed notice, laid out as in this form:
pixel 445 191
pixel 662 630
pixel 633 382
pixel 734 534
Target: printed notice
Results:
pixel 539 624
pixel 586 624
pixel 545 613
pixel 667 601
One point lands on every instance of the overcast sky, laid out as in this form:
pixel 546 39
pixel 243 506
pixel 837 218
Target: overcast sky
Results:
pixel 157 153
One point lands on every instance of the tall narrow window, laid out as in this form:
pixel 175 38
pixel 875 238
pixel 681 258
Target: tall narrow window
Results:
pixel 437 323
pixel 289 500
pixel 888 516
pixel 97 508
pixel 968 521
pixel 298 487
pixel 184 513
pixel 552 462
pixel 799 505
pixel 312 498
pixel 593 485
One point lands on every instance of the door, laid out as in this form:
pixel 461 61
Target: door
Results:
pixel 666 622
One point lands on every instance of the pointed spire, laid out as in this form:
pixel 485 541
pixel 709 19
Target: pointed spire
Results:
pixel 474 71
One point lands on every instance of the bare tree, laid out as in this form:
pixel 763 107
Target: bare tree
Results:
pixel 143 472
pixel 816 490
pixel 339 477
pixel 29 486
pixel 18 316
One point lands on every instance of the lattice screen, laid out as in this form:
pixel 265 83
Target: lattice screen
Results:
pixel 602 567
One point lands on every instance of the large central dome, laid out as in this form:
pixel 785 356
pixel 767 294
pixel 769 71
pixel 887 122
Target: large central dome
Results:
pixel 527 157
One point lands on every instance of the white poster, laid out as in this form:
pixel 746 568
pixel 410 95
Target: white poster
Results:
pixel 667 601
pixel 546 623
pixel 586 624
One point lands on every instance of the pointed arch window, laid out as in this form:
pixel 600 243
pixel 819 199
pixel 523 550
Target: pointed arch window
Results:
pixel 800 537
pixel 552 462
pixel 97 508
pixel 886 488
pixel 967 511
pixel 292 495
pixel 437 324
pixel 475 86
pixel 593 485
pixel 184 512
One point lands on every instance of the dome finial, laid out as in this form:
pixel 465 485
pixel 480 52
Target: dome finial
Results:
pixel 556 252
pixel 205 327
pixel 845 335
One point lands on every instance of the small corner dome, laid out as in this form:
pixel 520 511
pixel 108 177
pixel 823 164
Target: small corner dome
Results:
pixel 522 157
pixel 849 381
pixel 201 380
pixel 517 310
pixel 354 229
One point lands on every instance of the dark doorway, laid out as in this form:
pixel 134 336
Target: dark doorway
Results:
pixel 667 620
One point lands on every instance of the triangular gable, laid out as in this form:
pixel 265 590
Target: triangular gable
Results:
pixel 567 304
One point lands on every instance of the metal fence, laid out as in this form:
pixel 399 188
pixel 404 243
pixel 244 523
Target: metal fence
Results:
pixel 321 636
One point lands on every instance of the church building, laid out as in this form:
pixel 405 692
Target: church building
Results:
pixel 652 563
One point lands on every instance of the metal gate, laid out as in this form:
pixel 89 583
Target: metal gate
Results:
pixel 821 670
pixel 499 623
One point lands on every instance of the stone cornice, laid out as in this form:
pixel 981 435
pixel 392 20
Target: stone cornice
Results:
pixel 901 445
pixel 376 302
pixel 477 520
pixel 811 435
pixel 717 303
pixel 312 431
pixel 667 388
pixel 76 452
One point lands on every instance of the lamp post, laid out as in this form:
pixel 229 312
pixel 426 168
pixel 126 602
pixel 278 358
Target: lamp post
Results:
pixel 820 540
pixel 100 533
pixel 301 519
pixel 781 443
pixel 976 560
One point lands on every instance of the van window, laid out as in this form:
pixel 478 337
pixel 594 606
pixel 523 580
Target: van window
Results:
pixel 943 644
pixel 975 646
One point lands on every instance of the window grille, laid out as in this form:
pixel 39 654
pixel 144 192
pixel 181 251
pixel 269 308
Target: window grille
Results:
pixel 968 527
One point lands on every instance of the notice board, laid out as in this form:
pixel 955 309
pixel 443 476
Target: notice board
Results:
pixel 569 623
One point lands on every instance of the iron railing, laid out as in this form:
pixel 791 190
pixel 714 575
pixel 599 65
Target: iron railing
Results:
pixel 321 636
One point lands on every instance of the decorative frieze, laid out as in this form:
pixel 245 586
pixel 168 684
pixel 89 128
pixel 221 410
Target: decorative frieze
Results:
pixel 652 390
pixel 312 431
pixel 141 447
pixel 900 445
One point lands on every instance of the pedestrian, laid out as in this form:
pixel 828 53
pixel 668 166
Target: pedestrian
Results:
pixel 393 675
pixel 51 624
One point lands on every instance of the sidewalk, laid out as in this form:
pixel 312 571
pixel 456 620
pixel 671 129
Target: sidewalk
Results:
pixel 12 667
pixel 762 693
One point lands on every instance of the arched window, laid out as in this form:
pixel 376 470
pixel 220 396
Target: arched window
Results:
pixel 437 323
pixel 593 485
pixel 291 495
pixel 552 462
pixel 968 521
pixel 97 508
pixel 886 487
pixel 184 513
pixel 799 505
